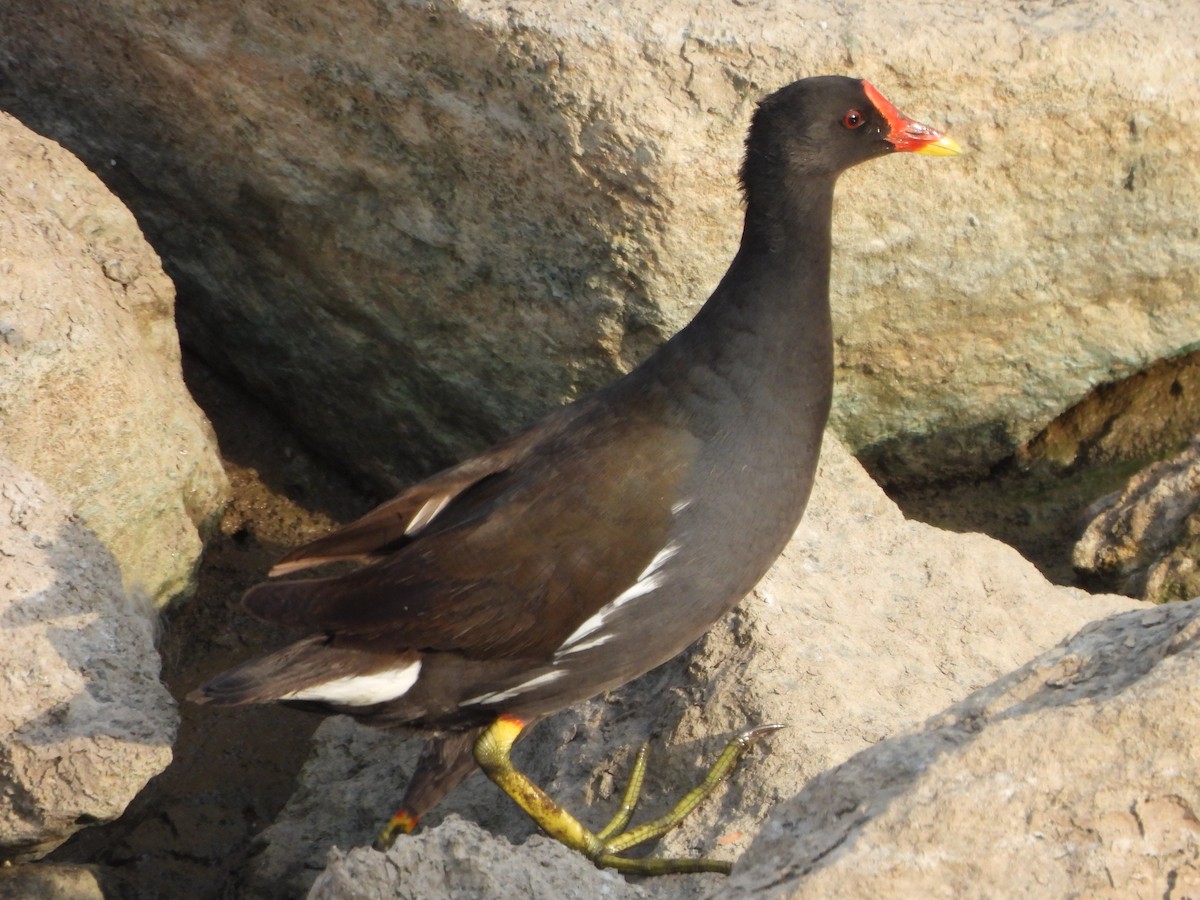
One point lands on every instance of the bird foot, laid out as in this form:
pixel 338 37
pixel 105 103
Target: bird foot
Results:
pixel 403 822
pixel 604 847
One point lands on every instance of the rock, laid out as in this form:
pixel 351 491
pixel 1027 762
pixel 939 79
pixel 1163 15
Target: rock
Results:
pixel 434 221
pixel 84 720
pixel 51 882
pixel 482 866
pixel 1146 536
pixel 1149 415
pixel 1073 776
pixel 92 400
pixel 867 625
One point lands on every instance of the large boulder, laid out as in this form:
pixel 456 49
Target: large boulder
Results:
pixel 414 226
pixel 867 625
pixel 1072 777
pixel 84 720
pixel 92 399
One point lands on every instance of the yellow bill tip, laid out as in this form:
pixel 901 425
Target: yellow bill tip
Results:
pixel 943 146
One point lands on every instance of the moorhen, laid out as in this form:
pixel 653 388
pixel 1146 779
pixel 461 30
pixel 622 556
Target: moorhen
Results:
pixel 606 538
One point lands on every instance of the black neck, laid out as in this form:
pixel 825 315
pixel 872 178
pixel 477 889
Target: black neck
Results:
pixel 766 329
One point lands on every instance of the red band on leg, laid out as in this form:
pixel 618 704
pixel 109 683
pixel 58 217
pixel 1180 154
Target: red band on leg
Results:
pixel 403 821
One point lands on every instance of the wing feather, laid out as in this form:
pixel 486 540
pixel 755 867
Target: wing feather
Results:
pixel 393 524
pixel 530 545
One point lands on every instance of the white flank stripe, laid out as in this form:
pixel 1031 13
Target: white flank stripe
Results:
pixel 425 514
pixel 361 690
pixel 648 580
pixel 586 645
pixel 680 507
pixel 660 559
pixel 544 678
pixel 642 586
pixel 586 628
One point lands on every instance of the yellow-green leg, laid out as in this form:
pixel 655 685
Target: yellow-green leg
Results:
pixel 492 752
pixel 629 798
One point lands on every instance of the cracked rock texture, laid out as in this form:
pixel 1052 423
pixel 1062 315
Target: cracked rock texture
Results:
pixel 84 720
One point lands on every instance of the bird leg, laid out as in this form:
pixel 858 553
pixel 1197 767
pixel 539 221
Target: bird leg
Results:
pixel 446 759
pixel 492 752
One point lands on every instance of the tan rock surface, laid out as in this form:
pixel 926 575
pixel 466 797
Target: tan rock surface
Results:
pixel 383 213
pixel 92 400
pixel 1072 777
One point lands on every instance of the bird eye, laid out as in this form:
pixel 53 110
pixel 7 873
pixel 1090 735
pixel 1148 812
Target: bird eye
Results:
pixel 853 119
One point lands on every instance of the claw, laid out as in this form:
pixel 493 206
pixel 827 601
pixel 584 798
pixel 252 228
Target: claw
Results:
pixel 751 736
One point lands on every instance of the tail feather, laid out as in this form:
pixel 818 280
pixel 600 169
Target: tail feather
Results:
pixel 313 670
